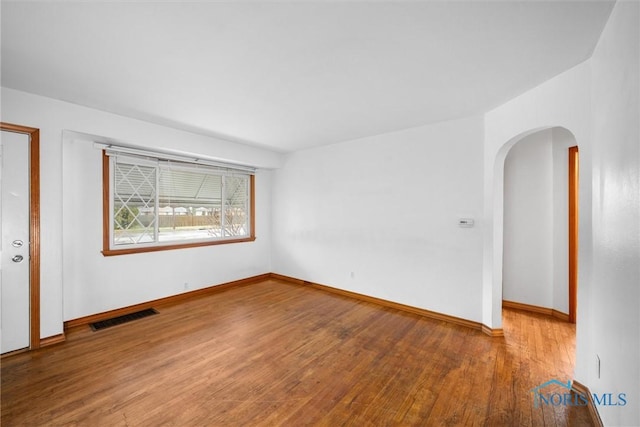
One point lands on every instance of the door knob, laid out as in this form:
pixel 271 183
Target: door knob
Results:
pixel 17 258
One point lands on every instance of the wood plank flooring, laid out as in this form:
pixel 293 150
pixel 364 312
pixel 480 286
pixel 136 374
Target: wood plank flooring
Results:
pixel 273 353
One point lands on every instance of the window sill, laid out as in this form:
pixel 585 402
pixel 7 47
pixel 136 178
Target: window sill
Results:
pixel 169 247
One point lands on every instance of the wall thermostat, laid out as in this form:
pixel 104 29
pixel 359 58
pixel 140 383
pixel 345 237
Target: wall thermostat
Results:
pixel 465 222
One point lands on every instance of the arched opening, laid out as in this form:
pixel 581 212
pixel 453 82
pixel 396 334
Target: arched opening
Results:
pixel 536 225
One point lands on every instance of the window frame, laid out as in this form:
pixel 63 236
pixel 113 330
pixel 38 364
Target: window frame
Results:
pixel 107 225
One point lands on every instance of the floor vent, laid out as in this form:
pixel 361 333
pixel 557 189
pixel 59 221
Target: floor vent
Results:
pixel 96 326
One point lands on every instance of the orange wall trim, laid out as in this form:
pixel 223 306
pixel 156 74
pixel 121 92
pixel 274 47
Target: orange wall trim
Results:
pixel 13 353
pixel 390 304
pixel 162 301
pixel 582 389
pixel 560 315
pixel 498 332
pixel 52 340
pixel 536 309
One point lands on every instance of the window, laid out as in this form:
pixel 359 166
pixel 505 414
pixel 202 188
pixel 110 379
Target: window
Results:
pixel 153 204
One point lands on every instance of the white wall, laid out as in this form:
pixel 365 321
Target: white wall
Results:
pixel 528 221
pixel 598 102
pixel 614 319
pixel 386 209
pixel 73 270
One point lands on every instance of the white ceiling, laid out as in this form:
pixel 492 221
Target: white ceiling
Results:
pixel 291 75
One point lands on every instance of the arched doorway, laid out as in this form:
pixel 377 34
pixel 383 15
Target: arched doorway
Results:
pixel 538 242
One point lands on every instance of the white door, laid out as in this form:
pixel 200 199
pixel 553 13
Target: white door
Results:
pixel 14 242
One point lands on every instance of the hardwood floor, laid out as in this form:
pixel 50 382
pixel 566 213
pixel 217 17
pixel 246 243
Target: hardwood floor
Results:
pixel 274 353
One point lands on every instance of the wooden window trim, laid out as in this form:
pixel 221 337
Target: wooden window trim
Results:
pixel 107 251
